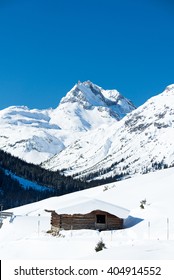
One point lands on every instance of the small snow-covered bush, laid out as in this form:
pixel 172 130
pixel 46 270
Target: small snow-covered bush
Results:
pixel 142 203
pixel 100 246
pixel 54 233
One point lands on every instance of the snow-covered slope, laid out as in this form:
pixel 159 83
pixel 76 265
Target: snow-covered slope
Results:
pixel 148 233
pixel 28 134
pixel 142 141
pixel 36 135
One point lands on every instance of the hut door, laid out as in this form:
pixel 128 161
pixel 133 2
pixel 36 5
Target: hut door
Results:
pixel 100 221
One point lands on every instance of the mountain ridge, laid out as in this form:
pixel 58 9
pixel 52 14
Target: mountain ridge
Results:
pixel 139 143
pixel 88 136
pixel 37 135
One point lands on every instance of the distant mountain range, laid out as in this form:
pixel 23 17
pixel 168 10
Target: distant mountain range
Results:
pixel 37 135
pixel 93 133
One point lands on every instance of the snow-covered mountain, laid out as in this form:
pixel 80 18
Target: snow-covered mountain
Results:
pixel 28 134
pixel 142 141
pixel 93 133
pixel 36 135
pixel 88 106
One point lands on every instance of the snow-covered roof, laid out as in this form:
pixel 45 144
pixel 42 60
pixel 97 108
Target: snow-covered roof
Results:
pixel 88 205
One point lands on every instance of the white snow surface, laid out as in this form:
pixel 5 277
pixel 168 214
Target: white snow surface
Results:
pixel 148 233
pixel 87 205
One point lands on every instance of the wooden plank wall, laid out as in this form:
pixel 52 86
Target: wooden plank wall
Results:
pixel 85 221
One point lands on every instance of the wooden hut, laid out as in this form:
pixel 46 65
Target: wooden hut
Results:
pixel 88 214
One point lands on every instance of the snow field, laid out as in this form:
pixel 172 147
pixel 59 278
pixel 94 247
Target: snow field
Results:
pixel 27 238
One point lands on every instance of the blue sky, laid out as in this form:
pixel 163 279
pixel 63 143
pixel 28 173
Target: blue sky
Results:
pixel 46 46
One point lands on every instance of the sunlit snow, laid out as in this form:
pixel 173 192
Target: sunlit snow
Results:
pixel 148 232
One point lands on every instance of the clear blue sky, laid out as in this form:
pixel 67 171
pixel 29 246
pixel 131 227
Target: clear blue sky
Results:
pixel 46 46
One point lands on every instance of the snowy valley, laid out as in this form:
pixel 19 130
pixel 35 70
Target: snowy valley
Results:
pixel 148 233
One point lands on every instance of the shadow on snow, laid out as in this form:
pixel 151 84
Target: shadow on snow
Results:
pixel 131 221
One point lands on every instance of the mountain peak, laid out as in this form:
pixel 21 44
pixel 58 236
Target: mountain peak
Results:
pixel 90 95
pixel 85 93
pixel 87 83
pixel 87 106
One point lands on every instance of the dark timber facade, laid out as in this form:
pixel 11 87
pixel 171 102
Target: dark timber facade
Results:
pixel 96 220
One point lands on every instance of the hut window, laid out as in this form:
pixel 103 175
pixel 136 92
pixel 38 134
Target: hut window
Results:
pixel 101 219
